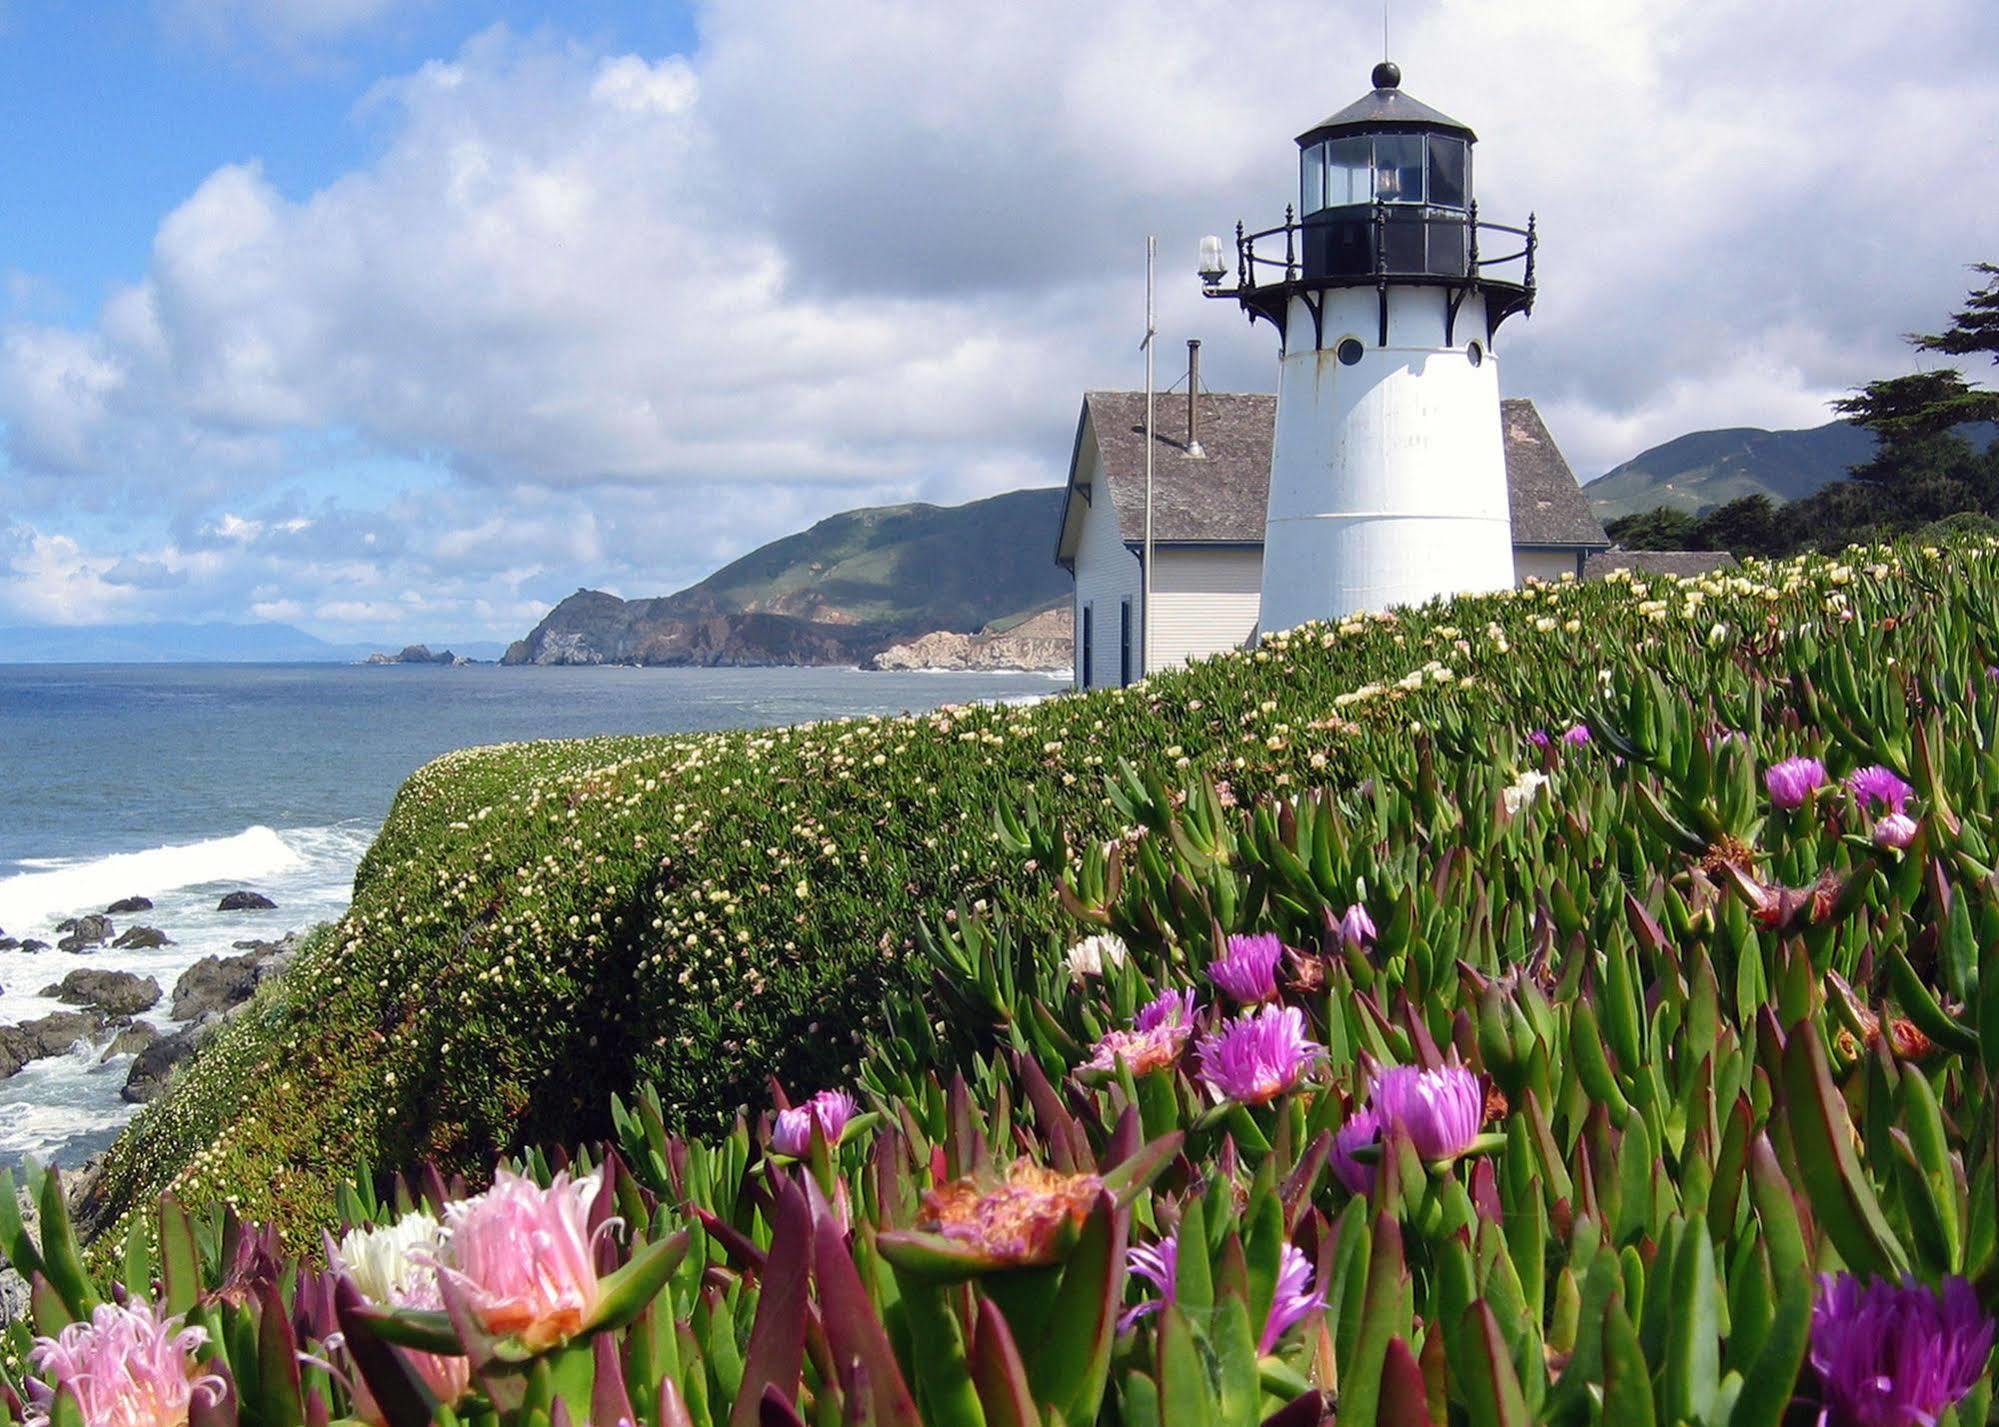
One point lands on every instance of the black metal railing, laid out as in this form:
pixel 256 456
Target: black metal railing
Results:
pixel 1382 242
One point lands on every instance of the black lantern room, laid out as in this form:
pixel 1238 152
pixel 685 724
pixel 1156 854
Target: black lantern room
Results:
pixel 1390 150
pixel 1384 199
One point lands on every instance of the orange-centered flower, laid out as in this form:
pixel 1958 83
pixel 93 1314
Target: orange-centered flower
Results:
pixel 1022 1220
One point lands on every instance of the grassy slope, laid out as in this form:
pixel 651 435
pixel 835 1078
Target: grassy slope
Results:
pixel 902 565
pixel 538 923
pixel 1708 468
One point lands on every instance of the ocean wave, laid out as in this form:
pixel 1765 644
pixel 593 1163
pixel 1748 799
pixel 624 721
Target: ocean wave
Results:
pixel 37 898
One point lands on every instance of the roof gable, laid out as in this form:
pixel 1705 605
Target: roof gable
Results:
pixel 1222 496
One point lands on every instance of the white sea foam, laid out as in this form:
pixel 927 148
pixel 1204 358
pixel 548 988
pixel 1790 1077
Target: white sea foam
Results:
pixel 34 899
pixel 68 1105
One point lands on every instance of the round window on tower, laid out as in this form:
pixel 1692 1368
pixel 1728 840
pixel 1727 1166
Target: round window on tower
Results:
pixel 1351 351
pixel 1475 354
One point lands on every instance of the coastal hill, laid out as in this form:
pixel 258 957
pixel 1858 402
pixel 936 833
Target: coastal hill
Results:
pixel 838 593
pixel 1710 468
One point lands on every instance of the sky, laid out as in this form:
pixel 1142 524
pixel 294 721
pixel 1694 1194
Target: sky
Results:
pixel 403 319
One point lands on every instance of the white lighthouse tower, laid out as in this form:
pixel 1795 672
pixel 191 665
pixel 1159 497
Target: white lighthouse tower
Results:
pixel 1388 472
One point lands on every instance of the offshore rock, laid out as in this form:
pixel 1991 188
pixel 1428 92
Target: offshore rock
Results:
pixel 156 1062
pixel 141 939
pixel 115 993
pixel 126 906
pixel 93 930
pixel 245 902
pixel 50 1035
pixel 214 984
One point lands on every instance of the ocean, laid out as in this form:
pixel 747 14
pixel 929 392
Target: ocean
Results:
pixel 181 782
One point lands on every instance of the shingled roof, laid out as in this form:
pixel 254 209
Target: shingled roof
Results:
pixel 1221 497
pixel 1684 563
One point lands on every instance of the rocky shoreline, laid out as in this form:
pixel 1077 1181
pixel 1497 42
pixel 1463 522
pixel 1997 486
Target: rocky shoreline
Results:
pixel 1044 643
pixel 108 1003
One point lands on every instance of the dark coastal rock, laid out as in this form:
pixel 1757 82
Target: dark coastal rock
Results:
pixel 93 930
pixel 245 902
pixel 30 944
pixel 130 1040
pixel 115 993
pixel 127 905
pixel 141 939
pixel 50 1035
pixel 8 943
pixel 214 984
pixel 156 1063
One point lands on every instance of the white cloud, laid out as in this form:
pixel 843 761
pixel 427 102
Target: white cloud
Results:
pixel 645 311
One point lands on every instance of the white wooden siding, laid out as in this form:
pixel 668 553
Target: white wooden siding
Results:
pixel 1549 565
pixel 1205 601
pixel 1107 574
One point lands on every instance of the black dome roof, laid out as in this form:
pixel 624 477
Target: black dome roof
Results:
pixel 1386 107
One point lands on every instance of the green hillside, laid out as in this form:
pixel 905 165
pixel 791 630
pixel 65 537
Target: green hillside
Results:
pixel 1709 468
pixel 836 593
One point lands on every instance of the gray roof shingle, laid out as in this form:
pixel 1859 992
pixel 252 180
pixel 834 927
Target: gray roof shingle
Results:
pixel 1684 563
pixel 1221 498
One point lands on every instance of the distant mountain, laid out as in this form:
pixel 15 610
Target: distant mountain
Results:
pixel 835 594
pixel 171 642
pixel 1710 468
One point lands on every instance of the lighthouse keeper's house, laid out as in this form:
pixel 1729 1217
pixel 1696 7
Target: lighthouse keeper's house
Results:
pixel 1210 496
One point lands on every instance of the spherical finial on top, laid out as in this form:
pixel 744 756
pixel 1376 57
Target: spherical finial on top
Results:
pixel 1387 75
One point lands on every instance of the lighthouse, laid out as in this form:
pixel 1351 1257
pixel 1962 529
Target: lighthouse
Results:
pixel 1388 482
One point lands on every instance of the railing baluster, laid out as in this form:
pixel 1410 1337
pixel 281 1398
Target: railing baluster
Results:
pixel 1241 257
pixel 1290 258
pixel 1531 241
pixel 1471 265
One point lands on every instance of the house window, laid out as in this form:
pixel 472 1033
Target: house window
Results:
pixel 1088 622
pixel 1124 644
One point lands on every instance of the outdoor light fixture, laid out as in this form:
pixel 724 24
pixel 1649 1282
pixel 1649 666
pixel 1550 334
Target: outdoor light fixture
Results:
pixel 1212 269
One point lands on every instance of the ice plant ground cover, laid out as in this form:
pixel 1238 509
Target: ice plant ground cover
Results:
pixel 1722 1043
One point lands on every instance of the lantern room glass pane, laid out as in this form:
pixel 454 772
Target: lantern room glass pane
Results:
pixel 1398 168
pixel 1447 171
pixel 1312 179
pixel 1348 179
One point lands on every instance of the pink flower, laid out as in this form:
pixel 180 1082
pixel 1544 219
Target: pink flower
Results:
pixel 1877 786
pixel 1895 831
pixel 127 1367
pixel 1023 1220
pixel 1539 738
pixel 792 1134
pixel 1158 1033
pixel 1248 972
pixel 1577 735
pixel 1793 781
pixel 524 1257
pixel 1362 1128
pixel 1159 1264
pixel 1895 1355
pixel 1442 1111
pixel 1259 1055
pixel 1357 927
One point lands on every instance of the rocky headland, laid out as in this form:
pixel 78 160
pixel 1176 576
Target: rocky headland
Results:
pixel 1042 643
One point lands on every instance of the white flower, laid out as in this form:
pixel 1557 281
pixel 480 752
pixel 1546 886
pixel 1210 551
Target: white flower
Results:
pixel 1523 791
pixel 394 1264
pixel 1089 956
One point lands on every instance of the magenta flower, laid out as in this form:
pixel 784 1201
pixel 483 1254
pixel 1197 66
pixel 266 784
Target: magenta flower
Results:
pixel 127 1367
pixel 524 1257
pixel 792 1133
pixel 1362 1128
pixel 1793 781
pixel 1357 927
pixel 1157 1035
pixel 1440 1110
pixel 1248 970
pixel 1259 1055
pixel 1890 1355
pixel 1577 735
pixel 1158 1264
pixel 1877 787
pixel 1539 738
pixel 1894 830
